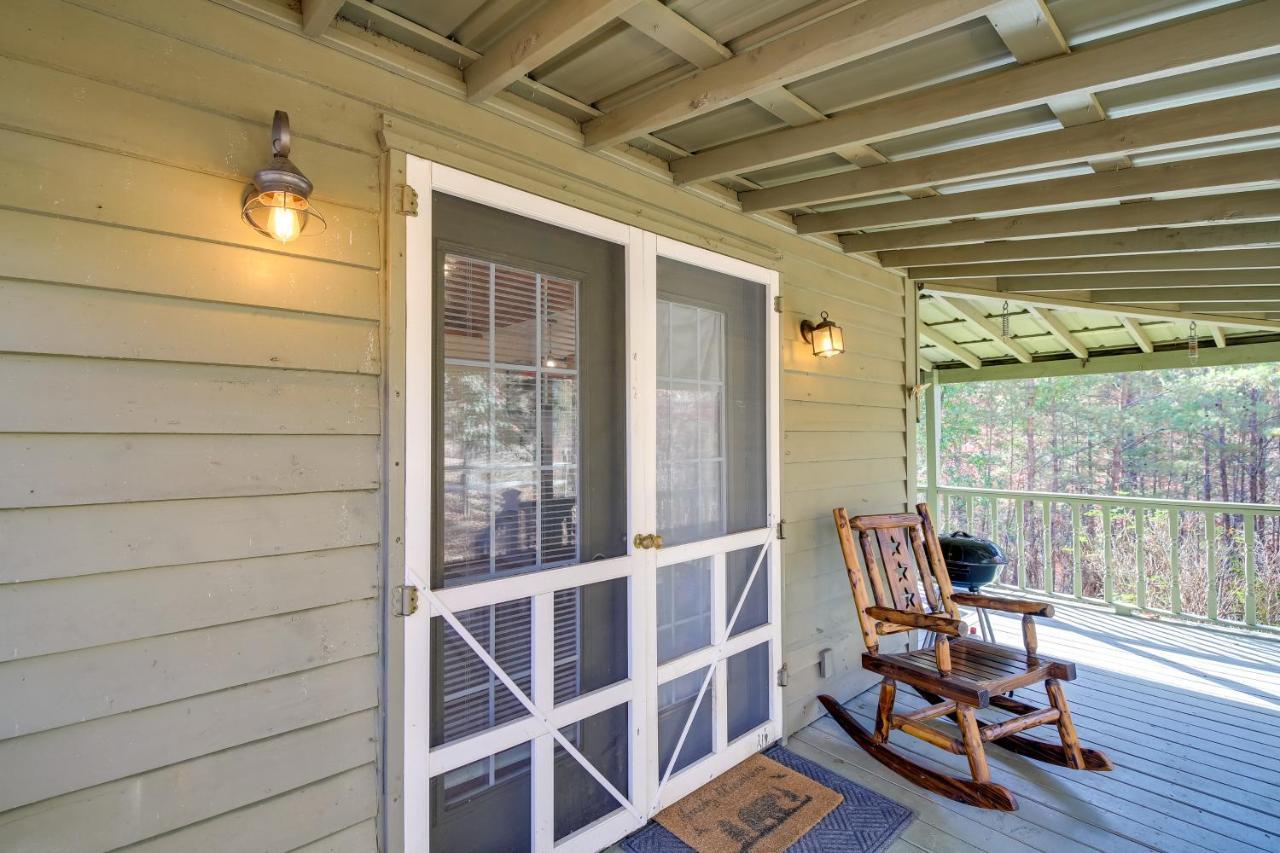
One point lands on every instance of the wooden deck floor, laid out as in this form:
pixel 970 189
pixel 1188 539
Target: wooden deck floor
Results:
pixel 1190 716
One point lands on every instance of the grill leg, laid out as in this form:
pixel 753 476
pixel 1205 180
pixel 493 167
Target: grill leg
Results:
pixel 984 626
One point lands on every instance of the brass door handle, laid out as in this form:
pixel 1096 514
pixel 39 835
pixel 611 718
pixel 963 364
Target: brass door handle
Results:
pixel 647 540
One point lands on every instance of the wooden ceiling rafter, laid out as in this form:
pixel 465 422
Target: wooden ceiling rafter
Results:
pixel 1232 35
pixel 1149 242
pixel 1229 118
pixel 861 30
pixel 1219 174
pixel 1196 230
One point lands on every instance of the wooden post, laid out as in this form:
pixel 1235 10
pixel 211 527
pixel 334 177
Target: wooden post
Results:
pixel 1140 552
pixel 1211 565
pixel 933 442
pixel 1175 559
pixel 942 651
pixel 1029 634
pixel 973 744
pixel 884 713
pixel 1108 558
pixel 1066 728
pixel 968 516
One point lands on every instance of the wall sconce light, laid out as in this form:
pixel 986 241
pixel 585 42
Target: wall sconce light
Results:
pixel 827 338
pixel 277 204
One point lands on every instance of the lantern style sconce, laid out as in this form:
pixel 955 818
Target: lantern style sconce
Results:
pixel 277 204
pixel 827 338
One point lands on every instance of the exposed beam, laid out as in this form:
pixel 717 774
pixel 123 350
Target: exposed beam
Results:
pixel 1202 295
pixel 869 27
pixel 969 311
pixel 1235 308
pixel 984 289
pixel 1059 330
pixel 401 29
pixel 671 30
pixel 317 15
pixel 1137 280
pixel 1241 353
pixel 1139 335
pixel 1224 259
pixel 1232 35
pixel 1028 30
pixel 1219 336
pixel 1227 172
pixel 949 346
pixel 1264 204
pixel 549 31
pixel 1228 118
pixel 680 36
pixel 1155 240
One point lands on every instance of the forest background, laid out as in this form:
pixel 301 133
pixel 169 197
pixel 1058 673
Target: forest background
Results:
pixel 1195 434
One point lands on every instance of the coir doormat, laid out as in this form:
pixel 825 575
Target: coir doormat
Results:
pixel 771 803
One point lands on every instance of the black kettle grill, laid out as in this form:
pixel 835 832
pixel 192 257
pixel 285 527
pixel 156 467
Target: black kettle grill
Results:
pixel 972 562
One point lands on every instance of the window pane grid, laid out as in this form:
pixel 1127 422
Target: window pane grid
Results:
pixel 511 420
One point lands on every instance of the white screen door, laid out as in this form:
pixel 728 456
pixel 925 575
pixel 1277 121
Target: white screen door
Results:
pixel 578 390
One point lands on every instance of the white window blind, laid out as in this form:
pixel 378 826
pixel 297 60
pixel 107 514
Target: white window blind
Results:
pixel 510 487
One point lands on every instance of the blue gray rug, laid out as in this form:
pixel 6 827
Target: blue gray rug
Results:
pixel 864 823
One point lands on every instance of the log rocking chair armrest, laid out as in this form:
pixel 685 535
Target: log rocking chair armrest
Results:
pixel 910 619
pixel 1007 605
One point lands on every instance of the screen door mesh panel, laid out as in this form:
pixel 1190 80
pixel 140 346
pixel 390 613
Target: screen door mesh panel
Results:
pixel 510 420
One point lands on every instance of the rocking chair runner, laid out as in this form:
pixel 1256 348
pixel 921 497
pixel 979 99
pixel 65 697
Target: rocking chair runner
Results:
pixel 957 675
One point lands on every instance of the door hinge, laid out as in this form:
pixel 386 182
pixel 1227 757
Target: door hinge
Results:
pixel 782 534
pixel 777 304
pixel 406 600
pixel 406 200
pixel 784 677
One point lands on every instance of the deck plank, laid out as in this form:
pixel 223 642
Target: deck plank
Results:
pixel 1189 714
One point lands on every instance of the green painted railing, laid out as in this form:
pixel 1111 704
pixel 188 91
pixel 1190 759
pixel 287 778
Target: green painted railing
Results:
pixel 1212 561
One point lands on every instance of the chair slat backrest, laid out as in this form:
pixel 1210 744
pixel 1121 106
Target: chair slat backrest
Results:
pixel 900 557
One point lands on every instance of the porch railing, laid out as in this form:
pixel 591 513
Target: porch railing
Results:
pixel 1216 562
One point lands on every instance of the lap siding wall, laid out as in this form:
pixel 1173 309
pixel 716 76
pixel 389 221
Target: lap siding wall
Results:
pixel 191 507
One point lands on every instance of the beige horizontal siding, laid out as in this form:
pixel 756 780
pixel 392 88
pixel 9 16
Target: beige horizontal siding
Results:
pixel 190 791
pixel 190 485
pixel 50 542
pixel 189 458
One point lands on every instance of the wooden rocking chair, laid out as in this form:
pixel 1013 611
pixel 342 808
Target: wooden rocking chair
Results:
pixel 959 674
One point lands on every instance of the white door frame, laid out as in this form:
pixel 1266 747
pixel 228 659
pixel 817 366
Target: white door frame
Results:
pixel 639 567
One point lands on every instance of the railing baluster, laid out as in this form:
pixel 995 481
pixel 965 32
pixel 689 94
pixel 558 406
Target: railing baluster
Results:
pixel 1077 582
pixel 1020 521
pixel 1047 537
pixel 1175 559
pixel 1211 565
pixel 1140 552
pixel 1250 571
pixel 1108 558
pixel 973 499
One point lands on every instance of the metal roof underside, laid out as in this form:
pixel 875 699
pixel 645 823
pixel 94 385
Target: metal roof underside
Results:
pixel 1106 167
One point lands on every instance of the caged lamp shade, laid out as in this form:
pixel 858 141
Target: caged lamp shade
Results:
pixel 826 337
pixel 278 204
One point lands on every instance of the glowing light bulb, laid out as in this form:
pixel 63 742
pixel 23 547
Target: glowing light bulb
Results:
pixel 283 223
